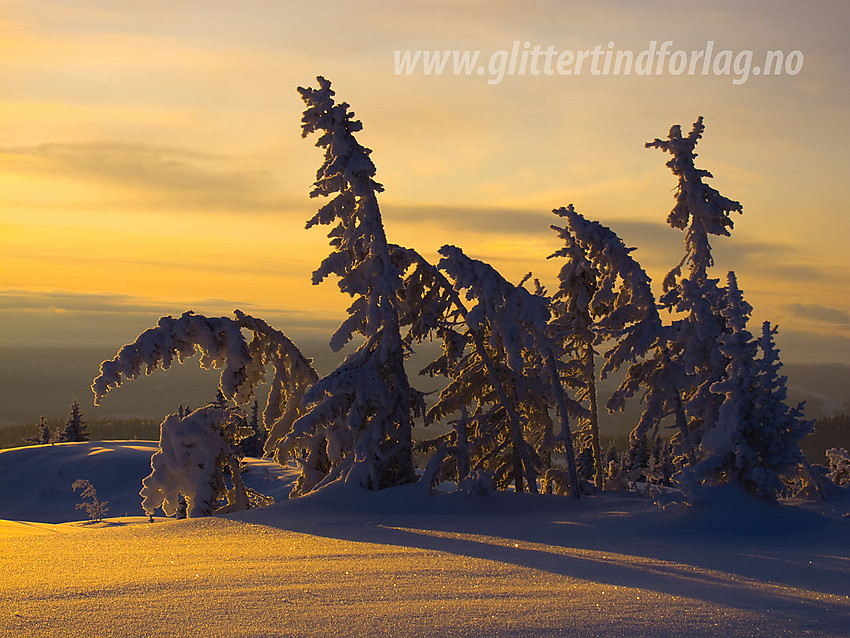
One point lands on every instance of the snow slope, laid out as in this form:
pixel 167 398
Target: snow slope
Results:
pixel 42 476
pixel 346 562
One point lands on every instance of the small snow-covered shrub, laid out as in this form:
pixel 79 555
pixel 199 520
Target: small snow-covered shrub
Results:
pixel 95 508
pixel 839 466
pixel 197 459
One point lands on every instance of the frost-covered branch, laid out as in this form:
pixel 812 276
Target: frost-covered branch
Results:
pixel 222 344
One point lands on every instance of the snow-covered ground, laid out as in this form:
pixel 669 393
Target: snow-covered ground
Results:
pixel 346 562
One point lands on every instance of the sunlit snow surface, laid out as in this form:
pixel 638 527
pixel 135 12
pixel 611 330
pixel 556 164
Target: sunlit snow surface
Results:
pixel 347 562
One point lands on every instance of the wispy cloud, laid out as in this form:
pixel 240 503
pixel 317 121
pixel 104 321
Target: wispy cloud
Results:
pixel 156 174
pixel 485 220
pixel 821 314
pixel 68 301
pixel 115 303
pixel 656 243
pixel 66 316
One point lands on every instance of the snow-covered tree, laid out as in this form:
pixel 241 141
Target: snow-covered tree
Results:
pixel 44 435
pixel 701 211
pixel 756 440
pixel 244 364
pixel 75 427
pixel 785 426
pixel 253 444
pixel 839 466
pixel 604 296
pixel 361 422
pixel 572 326
pixel 95 508
pixel 432 306
pixel 197 459
pixel 661 462
pixel 500 361
pixel 724 448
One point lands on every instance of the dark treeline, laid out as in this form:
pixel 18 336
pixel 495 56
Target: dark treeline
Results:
pixel 99 430
pixel 831 432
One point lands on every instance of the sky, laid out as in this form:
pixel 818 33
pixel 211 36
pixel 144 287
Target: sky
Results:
pixel 151 159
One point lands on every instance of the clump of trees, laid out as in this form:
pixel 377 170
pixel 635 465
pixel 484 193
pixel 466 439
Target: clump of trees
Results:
pixel 44 436
pixel 521 364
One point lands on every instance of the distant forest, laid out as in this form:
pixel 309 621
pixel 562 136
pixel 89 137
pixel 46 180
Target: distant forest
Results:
pixel 99 430
pixel 831 432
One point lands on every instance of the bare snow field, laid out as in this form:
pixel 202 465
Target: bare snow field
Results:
pixel 348 562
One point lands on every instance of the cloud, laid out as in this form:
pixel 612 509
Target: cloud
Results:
pixel 68 301
pixel 656 243
pixel 63 317
pixel 64 301
pixel 774 260
pixel 821 314
pixel 503 221
pixel 158 174
pixel 806 346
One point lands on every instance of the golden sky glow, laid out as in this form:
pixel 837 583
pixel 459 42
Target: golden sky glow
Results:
pixel 151 159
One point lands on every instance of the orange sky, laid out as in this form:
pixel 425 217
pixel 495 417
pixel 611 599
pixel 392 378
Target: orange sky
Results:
pixel 151 159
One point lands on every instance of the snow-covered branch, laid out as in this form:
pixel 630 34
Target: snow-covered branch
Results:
pixel 222 344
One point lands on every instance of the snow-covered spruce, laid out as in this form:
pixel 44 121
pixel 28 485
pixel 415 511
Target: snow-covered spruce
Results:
pixel 197 459
pixel 75 429
pixel 785 426
pixel 361 420
pixel 756 439
pixel 432 306
pixel 44 435
pixel 503 363
pixel 700 211
pixel 604 295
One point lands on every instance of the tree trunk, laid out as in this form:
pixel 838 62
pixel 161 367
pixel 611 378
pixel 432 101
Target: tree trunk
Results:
pixel 564 436
pixel 682 425
pixel 590 371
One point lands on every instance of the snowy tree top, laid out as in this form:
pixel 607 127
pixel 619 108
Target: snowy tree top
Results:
pixel 361 257
pixel 601 276
pixel 699 208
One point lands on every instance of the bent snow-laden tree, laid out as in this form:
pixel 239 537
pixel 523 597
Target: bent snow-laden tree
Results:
pixel 693 361
pixel 433 306
pixel 603 296
pixel 361 422
pixel 244 364
pixel 500 361
pixel 197 459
